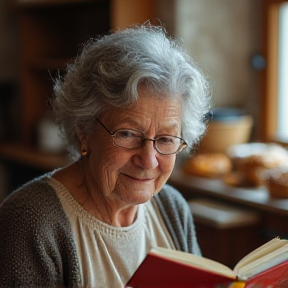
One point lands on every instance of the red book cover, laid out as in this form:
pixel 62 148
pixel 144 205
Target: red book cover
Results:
pixel 275 277
pixel 158 271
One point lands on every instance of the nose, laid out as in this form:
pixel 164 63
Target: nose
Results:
pixel 146 156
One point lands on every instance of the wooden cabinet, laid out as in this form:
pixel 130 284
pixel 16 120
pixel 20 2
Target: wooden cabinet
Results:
pixel 51 35
pixel 272 216
pixel 52 32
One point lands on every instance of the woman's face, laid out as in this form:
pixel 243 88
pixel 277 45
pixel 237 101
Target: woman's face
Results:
pixel 132 176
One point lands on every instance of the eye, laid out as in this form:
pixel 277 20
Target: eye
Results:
pixel 167 140
pixel 127 134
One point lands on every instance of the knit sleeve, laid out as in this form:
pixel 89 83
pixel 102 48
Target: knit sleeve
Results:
pixel 178 219
pixel 36 245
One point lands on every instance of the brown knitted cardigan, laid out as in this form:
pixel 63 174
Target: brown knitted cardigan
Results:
pixel 37 248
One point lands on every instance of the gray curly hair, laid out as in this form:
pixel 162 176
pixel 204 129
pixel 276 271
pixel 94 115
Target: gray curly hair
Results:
pixel 109 70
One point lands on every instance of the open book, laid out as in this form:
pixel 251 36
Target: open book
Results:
pixel 267 266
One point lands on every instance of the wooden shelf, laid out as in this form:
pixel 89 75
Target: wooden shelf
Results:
pixel 28 156
pixel 52 32
pixel 253 197
pixel 30 4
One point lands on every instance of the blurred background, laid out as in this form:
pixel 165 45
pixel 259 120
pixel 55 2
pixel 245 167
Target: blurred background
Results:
pixel 239 45
pixel 40 36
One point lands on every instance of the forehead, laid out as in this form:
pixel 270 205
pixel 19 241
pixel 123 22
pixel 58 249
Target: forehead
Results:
pixel 150 109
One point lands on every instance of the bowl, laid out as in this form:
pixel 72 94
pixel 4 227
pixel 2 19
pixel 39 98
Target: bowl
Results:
pixel 227 127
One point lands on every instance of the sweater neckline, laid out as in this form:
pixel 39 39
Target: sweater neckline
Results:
pixel 85 218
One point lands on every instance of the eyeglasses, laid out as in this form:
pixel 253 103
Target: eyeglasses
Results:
pixel 130 139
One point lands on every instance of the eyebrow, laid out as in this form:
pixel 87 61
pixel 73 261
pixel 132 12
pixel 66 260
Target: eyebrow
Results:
pixel 131 121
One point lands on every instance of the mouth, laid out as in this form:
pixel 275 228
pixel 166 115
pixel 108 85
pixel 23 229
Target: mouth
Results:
pixel 140 179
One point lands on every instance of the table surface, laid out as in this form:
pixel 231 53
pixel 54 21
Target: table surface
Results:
pixel 250 197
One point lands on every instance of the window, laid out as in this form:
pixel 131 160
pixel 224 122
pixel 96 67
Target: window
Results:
pixel 282 119
pixel 275 94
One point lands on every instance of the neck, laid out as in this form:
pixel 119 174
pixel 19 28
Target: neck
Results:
pixel 112 214
pixel 119 218
pixel 110 211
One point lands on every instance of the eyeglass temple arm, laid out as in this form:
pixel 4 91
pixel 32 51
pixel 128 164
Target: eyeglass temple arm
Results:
pixel 207 117
pixel 111 133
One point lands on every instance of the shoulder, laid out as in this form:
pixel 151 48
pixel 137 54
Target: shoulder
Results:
pixel 178 218
pixel 31 203
pixel 37 239
pixel 37 191
pixel 171 202
pixel 169 195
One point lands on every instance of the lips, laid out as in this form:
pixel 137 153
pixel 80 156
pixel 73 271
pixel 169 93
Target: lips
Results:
pixel 139 178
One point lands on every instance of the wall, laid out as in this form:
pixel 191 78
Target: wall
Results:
pixel 222 36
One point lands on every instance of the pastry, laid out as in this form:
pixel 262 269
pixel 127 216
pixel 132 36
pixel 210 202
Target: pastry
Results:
pixel 208 165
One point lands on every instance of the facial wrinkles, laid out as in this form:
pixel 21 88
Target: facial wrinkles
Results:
pixel 105 184
pixel 151 117
pixel 109 171
pixel 151 121
pixel 155 128
pixel 107 166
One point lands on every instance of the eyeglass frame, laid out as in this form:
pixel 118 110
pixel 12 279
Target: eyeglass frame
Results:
pixel 183 143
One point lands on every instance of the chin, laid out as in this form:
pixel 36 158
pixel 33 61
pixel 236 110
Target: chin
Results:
pixel 140 197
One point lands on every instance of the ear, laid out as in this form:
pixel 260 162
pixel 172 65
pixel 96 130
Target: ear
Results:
pixel 80 133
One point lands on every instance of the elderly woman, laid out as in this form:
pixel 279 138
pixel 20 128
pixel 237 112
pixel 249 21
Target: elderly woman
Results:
pixel 129 104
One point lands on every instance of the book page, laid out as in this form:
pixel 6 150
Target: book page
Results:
pixel 264 257
pixel 268 247
pixel 194 260
pixel 266 263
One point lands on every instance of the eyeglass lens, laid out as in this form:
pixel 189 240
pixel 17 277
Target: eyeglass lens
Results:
pixel 131 139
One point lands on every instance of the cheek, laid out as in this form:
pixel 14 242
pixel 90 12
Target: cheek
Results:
pixel 105 152
pixel 167 164
pixel 166 168
pixel 113 158
pixel 111 162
